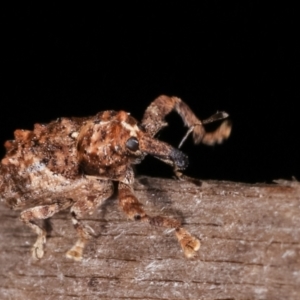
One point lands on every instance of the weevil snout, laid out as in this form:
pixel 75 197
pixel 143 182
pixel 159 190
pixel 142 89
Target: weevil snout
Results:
pixel 163 151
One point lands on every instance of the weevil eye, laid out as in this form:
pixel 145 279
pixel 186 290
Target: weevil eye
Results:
pixel 132 144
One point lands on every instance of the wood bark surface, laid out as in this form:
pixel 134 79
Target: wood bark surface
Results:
pixel 249 247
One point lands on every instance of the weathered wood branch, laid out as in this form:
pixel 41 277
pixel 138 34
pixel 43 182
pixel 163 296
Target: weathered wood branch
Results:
pixel 250 247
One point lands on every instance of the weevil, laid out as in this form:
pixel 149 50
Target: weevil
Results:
pixel 73 162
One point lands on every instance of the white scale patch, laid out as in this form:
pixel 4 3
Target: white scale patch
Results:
pixel 132 129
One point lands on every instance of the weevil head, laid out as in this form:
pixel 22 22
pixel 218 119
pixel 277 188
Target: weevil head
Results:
pixel 113 140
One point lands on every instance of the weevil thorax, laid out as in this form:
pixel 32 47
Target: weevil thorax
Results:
pixel 110 142
pixel 102 144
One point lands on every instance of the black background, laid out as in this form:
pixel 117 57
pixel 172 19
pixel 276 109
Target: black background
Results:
pixel 239 57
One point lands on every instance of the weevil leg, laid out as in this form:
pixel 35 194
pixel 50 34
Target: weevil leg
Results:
pixel 84 233
pixel 154 120
pixel 219 135
pixel 133 209
pixel 37 213
pixel 87 205
pixel 154 116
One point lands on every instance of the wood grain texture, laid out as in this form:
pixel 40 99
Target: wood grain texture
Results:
pixel 249 247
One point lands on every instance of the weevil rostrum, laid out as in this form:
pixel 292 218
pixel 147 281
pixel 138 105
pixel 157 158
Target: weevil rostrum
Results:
pixel 73 162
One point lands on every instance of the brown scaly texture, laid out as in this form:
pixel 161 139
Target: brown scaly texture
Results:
pixel 153 120
pixel 72 162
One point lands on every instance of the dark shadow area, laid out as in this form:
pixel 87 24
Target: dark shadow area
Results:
pixel 241 58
